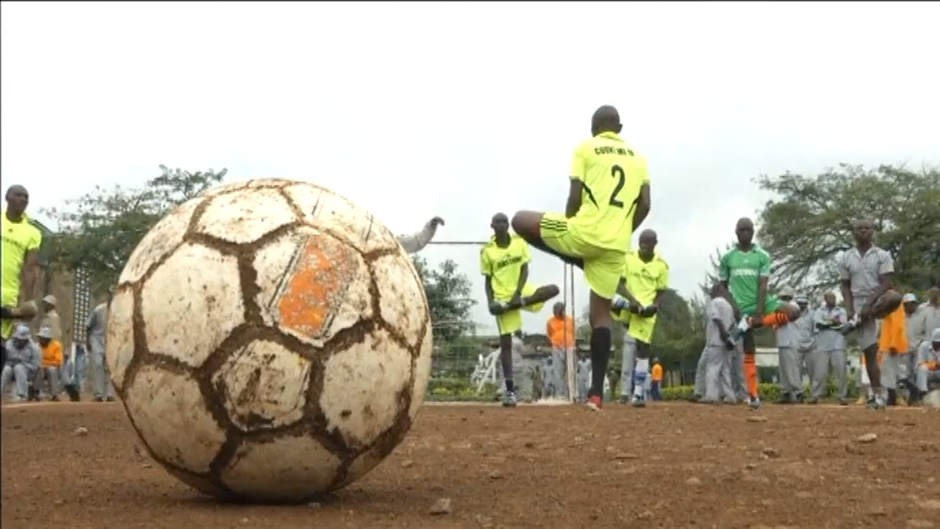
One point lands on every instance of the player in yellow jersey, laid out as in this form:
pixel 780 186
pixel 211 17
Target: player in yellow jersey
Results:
pixel 20 260
pixel 644 279
pixel 504 262
pixel 608 198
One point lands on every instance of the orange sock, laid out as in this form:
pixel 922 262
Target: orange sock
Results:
pixel 776 319
pixel 750 372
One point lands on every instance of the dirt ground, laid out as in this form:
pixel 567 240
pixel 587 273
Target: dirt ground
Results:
pixel 669 465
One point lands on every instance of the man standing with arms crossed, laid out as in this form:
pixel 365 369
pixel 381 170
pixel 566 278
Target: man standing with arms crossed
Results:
pixel 867 274
pixel 830 349
pixel 745 271
pixel 608 198
pixel 504 263
pixel 644 279
pixel 560 330
pixel 96 330
pixel 20 259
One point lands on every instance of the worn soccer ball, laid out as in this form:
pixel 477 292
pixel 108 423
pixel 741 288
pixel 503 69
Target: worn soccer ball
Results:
pixel 270 341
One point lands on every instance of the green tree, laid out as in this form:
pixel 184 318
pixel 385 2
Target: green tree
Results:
pixel 807 224
pixel 449 298
pixel 99 230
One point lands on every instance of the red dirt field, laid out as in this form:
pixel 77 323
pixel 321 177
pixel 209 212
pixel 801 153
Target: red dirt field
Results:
pixel 669 465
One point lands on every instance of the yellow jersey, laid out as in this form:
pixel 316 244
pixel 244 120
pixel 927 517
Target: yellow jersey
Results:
pixel 644 279
pixel 19 238
pixel 612 173
pixel 504 265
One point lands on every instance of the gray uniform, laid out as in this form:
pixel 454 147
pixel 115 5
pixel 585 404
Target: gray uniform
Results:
pixel 928 319
pixel 584 378
pixel 97 331
pixel 789 367
pixel 416 242
pixel 628 364
pixel 806 341
pixel 717 356
pixel 864 273
pixel 925 354
pixel 830 352
pixel 559 372
pixel 22 366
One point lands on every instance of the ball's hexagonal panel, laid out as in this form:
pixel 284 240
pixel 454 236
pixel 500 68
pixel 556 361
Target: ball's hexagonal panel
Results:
pixel 312 284
pixel 422 372
pixel 173 419
pixel 361 388
pixel 120 337
pixel 400 294
pixel 286 469
pixel 263 385
pixel 231 187
pixel 245 215
pixel 324 208
pixel 191 303
pixel 159 242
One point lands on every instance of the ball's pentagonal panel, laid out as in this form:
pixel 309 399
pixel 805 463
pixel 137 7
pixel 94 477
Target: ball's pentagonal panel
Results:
pixel 120 337
pixel 422 372
pixel 312 285
pixel 245 216
pixel 288 468
pixel 323 208
pixel 191 303
pixel 399 293
pixel 362 388
pixel 159 242
pixel 263 385
pixel 169 413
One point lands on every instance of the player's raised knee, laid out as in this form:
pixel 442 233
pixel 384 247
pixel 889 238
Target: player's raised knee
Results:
pixel 526 224
pixel 887 303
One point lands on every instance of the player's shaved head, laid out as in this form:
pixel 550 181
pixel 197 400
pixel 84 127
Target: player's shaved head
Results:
pixel 647 244
pixel 17 198
pixel 605 119
pixel 863 230
pixel 559 309
pixel 500 224
pixel 744 229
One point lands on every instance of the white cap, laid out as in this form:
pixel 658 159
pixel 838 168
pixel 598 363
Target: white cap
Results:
pixel 50 299
pixel 909 298
pixel 936 335
pixel 44 332
pixel 787 292
pixel 21 333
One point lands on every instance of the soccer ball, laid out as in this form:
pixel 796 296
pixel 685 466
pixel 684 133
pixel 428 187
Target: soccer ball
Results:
pixel 270 341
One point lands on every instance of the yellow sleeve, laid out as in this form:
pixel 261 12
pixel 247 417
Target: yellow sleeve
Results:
pixel 663 283
pixel 643 170
pixel 486 268
pixel 526 257
pixel 35 241
pixel 578 165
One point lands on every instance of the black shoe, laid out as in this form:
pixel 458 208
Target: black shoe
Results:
pixel 798 398
pixel 784 399
pixel 99 399
pixel 693 398
pixel 892 397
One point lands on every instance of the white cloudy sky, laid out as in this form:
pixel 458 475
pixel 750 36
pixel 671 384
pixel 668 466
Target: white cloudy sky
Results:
pixel 463 109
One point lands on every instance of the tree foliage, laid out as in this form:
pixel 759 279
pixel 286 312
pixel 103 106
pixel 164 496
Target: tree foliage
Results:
pixel 99 230
pixel 448 292
pixel 807 225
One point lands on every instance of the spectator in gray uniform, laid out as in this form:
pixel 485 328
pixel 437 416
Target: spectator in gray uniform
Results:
pixel 583 378
pixel 806 339
pixel 912 316
pixel 97 329
pixel 416 242
pixel 867 275
pixel 791 384
pixel 928 318
pixel 718 348
pixel 928 365
pixel 21 364
pixel 830 350
pixel 48 374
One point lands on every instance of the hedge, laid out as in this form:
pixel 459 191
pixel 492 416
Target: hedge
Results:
pixel 460 390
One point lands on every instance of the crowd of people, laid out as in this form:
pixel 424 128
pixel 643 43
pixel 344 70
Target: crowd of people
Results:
pixel 37 366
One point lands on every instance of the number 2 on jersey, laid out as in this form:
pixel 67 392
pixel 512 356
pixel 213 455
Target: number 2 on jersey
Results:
pixel 617 172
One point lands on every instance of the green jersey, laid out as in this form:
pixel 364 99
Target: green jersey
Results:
pixel 743 272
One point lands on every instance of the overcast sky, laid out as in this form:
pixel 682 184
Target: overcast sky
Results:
pixel 464 110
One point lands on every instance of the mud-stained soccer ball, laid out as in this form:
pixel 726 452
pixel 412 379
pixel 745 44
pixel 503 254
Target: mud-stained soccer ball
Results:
pixel 270 341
